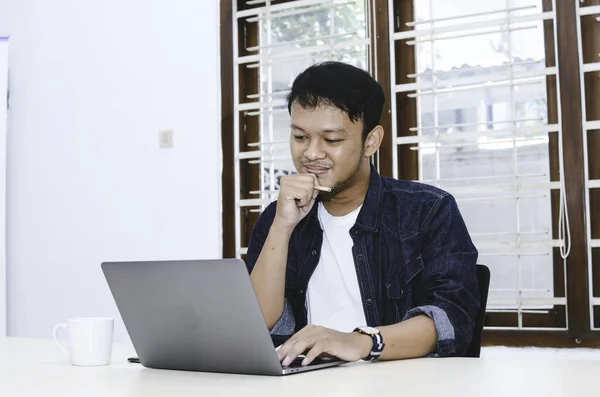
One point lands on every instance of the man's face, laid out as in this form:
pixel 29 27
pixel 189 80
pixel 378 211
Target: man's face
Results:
pixel 325 142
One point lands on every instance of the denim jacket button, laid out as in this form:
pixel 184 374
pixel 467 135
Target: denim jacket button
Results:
pixel 360 257
pixel 314 252
pixel 301 291
pixel 369 301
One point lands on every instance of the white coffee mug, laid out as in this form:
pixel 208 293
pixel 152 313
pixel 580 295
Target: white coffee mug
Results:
pixel 89 340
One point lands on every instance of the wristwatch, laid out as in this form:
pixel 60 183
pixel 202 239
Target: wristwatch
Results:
pixel 378 344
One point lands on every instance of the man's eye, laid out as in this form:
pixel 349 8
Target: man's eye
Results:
pixel 299 137
pixel 333 140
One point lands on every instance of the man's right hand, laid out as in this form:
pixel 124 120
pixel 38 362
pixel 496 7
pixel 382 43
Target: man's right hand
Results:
pixel 296 198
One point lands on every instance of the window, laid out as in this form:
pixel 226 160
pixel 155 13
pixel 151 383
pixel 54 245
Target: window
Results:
pixel 588 29
pixel 482 133
pixel 490 100
pixel 290 36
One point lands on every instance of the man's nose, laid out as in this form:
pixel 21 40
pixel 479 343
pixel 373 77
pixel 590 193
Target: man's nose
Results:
pixel 314 151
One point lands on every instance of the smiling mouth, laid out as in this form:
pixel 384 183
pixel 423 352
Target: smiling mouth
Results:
pixel 317 170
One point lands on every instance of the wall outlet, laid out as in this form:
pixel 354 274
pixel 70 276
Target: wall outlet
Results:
pixel 165 138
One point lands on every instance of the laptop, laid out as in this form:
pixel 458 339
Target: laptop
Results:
pixel 196 315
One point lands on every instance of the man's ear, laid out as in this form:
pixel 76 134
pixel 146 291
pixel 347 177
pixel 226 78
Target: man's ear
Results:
pixel 373 141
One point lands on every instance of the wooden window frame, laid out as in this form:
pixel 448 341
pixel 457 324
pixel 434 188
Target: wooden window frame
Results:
pixel 579 333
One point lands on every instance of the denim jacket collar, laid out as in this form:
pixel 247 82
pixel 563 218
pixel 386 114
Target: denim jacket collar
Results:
pixel 368 217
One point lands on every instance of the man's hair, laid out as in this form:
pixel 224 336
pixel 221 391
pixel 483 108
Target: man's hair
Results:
pixel 343 86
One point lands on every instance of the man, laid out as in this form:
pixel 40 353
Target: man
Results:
pixel 375 251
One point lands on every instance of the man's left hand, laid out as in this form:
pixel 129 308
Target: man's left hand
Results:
pixel 315 340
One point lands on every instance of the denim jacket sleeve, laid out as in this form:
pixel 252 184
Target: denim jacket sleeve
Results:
pixel 452 297
pixel 286 323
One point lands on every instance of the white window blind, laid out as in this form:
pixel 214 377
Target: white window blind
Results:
pixel 589 127
pixel 292 36
pixel 482 134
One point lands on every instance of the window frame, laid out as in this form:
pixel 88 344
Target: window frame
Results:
pixel 579 333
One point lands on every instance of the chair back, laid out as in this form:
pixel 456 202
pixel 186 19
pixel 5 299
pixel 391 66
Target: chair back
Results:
pixel 483 278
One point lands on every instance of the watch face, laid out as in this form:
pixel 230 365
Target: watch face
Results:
pixel 369 330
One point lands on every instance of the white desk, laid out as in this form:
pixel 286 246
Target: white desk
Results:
pixel 37 368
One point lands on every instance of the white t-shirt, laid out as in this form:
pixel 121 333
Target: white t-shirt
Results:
pixel 333 299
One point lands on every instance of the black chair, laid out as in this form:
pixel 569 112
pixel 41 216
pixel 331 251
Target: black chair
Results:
pixel 483 278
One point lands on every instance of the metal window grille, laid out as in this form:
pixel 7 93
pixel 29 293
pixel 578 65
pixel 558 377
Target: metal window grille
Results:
pixel 482 134
pixel 292 36
pixel 589 127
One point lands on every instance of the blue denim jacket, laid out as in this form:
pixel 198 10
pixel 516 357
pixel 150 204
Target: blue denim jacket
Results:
pixel 413 255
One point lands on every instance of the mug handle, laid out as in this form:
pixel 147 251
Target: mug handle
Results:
pixel 58 342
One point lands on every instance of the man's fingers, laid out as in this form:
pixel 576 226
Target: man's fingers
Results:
pixel 315 179
pixel 300 347
pixel 296 350
pixel 308 332
pixel 287 346
pixel 299 194
pixel 304 176
pixel 314 182
pixel 310 179
pixel 318 348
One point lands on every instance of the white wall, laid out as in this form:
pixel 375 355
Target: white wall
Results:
pixel 92 82
pixel 3 98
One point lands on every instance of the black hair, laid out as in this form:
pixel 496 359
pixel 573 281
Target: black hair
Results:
pixel 343 86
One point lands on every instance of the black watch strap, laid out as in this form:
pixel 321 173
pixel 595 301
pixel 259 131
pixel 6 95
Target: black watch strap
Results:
pixel 378 344
pixel 377 348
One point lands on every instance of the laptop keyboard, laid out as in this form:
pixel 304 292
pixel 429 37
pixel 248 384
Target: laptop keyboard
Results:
pixel 317 361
